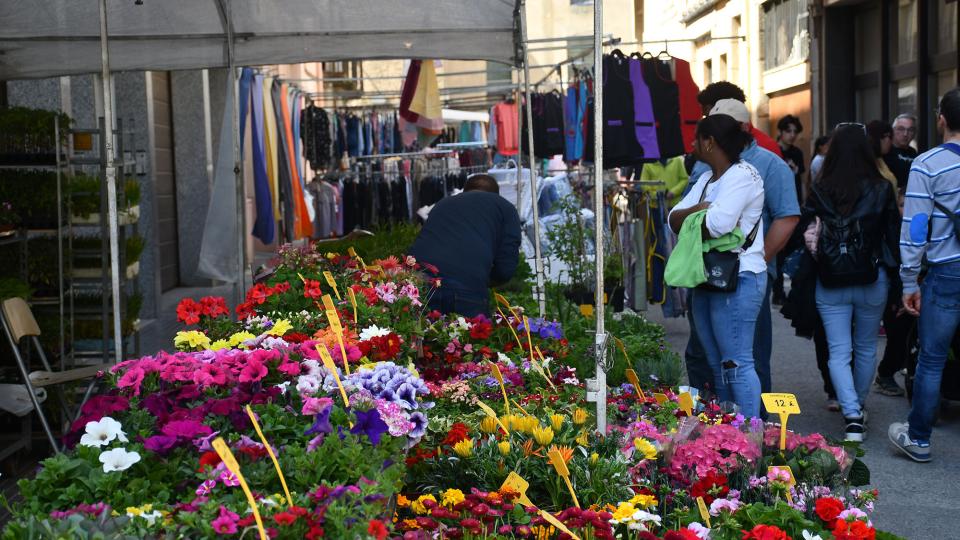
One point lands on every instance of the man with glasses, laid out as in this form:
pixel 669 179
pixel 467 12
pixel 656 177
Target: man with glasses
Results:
pixel 901 156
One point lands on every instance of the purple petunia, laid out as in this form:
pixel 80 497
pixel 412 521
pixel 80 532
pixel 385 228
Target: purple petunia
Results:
pixel 370 424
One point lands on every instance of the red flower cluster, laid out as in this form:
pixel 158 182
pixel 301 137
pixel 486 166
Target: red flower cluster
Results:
pixel 828 508
pixel 377 529
pixel 311 289
pixel 257 296
pixel 682 534
pixel 711 486
pixel 381 348
pixel 190 311
pixel 853 530
pixel 457 433
pixel 765 532
pixel 481 328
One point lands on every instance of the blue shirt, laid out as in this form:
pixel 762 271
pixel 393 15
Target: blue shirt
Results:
pixel 779 188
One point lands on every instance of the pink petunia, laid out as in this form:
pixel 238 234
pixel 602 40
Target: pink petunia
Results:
pixel 253 371
pixel 186 429
pixel 289 368
pixel 226 522
pixel 315 405
pixel 210 375
pixel 132 378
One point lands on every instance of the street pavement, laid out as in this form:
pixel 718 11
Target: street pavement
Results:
pixel 917 501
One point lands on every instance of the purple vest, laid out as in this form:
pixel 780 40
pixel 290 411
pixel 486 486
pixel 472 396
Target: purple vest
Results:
pixel 644 121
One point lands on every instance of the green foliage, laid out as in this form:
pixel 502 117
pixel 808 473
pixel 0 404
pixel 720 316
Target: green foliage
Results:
pixel 386 241
pixel 13 288
pixel 33 193
pixel 570 241
pixel 30 132
pixel 75 527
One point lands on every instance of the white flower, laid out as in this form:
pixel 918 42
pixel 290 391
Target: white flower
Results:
pixel 118 459
pixel 371 332
pixel 283 387
pixel 151 516
pixel 807 535
pixel 462 323
pixel 312 367
pixel 308 384
pixel 702 532
pixel 103 432
pixel 647 517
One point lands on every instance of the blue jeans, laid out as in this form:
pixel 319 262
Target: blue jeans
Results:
pixel 939 318
pixel 726 324
pixel 699 374
pixel 851 316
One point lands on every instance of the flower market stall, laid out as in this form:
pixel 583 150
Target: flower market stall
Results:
pixel 333 404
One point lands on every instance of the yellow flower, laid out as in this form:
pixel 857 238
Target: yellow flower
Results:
pixel 192 339
pixel 624 511
pixel 504 447
pixel 556 420
pixel 644 501
pixel 240 337
pixel 488 424
pixel 579 416
pixel 280 328
pixel 410 524
pixel 134 511
pixel 452 497
pixel 565 452
pixel 464 448
pixel 647 450
pixel 219 344
pixel 511 421
pixel 418 505
pixel 594 458
pixel 582 439
pixel 528 424
pixel 543 435
pixel 402 501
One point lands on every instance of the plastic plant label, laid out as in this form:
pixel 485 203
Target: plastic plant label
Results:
pixel 328 304
pixel 273 457
pixel 332 368
pixel 334 321
pixel 510 326
pixel 495 369
pixel 704 512
pixel 661 398
pixel 351 252
pixel 586 310
pixel 490 412
pixel 561 466
pixel 784 405
pixel 353 302
pixel 230 462
pixel 333 284
pixel 549 518
pixel 516 483
pixel 686 403
pixel 635 381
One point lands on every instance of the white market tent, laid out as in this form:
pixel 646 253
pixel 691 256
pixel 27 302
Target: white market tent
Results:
pixel 47 38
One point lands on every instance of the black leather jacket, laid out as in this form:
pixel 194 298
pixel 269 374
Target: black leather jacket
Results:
pixel 877 212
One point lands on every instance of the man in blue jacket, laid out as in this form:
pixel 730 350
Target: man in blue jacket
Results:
pixel 473 239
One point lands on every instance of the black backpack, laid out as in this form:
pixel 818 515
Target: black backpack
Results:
pixel 845 255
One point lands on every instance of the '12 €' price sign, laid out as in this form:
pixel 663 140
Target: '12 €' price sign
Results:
pixel 783 405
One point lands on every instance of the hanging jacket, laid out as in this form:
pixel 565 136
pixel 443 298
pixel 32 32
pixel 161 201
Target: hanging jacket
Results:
pixel 620 146
pixel 643 116
pixel 690 111
pixel 685 267
pixel 666 106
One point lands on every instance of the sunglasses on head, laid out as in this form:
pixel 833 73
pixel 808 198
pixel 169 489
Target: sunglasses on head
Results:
pixel 845 124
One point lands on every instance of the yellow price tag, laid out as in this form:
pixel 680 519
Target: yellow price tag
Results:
pixel 635 381
pixel 273 457
pixel 332 368
pixel 352 252
pixel 783 405
pixel 586 310
pixel 503 389
pixel 661 398
pixel 220 446
pixel 334 321
pixel 328 303
pixel 543 360
pixel 490 412
pixel 526 326
pixel 686 403
pixel 333 284
pixel 510 326
pixel 561 466
pixel 353 302
pixel 704 512
pixel 557 523
pixel 516 483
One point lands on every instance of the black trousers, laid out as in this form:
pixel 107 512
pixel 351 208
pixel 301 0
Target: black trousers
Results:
pixel 895 353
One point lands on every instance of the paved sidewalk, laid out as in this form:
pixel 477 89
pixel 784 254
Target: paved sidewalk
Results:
pixel 917 501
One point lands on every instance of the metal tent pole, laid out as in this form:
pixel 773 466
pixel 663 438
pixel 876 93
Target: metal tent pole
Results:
pixel 111 180
pixel 519 161
pixel 540 292
pixel 601 335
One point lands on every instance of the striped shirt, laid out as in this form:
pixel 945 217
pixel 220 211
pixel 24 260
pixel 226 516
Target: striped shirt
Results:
pixel 934 175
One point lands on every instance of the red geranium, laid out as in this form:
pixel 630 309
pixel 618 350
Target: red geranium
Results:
pixel 285 518
pixel 681 534
pixel 214 306
pixel 280 288
pixel 457 433
pixel 208 459
pixel 311 289
pixel 853 530
pixel 481 329
pixel 188 311
pixel 258 294
pixel 711 486
pixel 765 532
pixel 377 529
pixel 828 508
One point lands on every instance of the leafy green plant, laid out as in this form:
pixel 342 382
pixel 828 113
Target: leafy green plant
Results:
pixel 27 135
pixel 569 243
pixel 385 242
pixel 33 193
pixel 13 288
pixel 134 248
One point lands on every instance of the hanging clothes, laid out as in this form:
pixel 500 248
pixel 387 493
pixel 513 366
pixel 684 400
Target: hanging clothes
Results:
pixel 575 108
pixel 409 90
pixel 302 227
pixel 620 146
pixel 666 106
pixel 264 226
pixel 270 145
pixel 548 135
pixel 504 118
pixel 645 122
pixel 690 111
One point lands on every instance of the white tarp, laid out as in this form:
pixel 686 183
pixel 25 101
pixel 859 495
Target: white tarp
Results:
pixel 45 38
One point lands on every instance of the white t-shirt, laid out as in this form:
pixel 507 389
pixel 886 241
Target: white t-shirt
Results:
pixel 736 199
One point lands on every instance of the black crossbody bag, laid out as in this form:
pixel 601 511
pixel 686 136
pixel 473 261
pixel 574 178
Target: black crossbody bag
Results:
pixel 723 267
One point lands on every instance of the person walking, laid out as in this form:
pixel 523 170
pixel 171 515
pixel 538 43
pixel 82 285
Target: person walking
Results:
pixel 855 236
pixel 820 147
pixel 732 194
pixel 881 142
pixel 901 156
pixel 933 194
pixel 790 128
pixel 897 323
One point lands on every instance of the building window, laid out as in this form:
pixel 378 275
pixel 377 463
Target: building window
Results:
pixel 335 72
pixel 785 36
pixel 946 39
pixel 906 31
pixel 707 72
pixel 906 96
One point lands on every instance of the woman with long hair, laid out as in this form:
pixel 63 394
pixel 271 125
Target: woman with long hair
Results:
pixel 854 235
pixel 731 193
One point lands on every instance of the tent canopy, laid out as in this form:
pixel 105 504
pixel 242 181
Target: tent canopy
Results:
pixel 45 38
